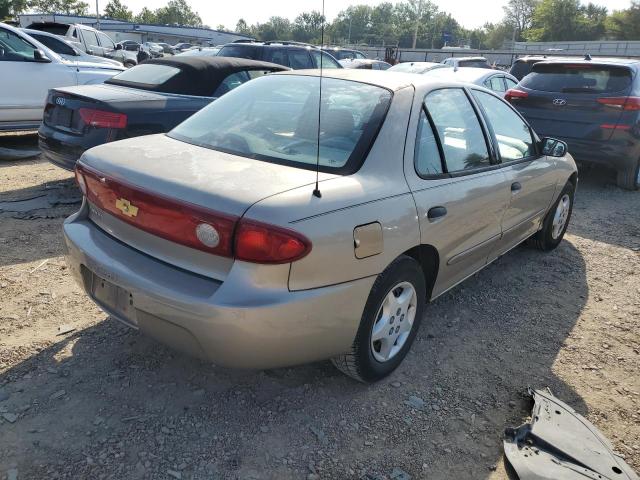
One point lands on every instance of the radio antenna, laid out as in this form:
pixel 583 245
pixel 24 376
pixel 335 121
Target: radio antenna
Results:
pixel 316 191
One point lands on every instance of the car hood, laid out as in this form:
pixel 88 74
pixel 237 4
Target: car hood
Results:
pixel 209 178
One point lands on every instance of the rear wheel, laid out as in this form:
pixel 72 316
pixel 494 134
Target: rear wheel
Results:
pixel 389 323
pixel 629 177
pixel 556 222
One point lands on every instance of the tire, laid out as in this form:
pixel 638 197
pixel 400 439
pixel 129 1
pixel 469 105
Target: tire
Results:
pixel 365 361
pixel 629 178
pixel 549 238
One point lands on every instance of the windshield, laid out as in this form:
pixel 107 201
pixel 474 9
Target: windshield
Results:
pixel 577 78
pixel 409 67
pixel 275 119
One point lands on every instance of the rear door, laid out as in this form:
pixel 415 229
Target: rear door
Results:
pixel 454 180
pixel 568 100
pixel 108 47
pixel 91 41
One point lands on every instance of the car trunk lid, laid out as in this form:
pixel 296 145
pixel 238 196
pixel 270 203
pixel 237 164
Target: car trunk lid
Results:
pixel 571 100
pixel 208 183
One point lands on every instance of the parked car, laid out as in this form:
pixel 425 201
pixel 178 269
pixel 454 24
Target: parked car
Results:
pixel 290 54
pixel 200 52
pixel 152 97
pixel 85 38
pixel 522 66
pixel 340 53
pixel 217 239
pixel 495 80
pixel 181 47
pixel 593 105
pixel 29 70
pixel 365 64
pixel 166 48
pixel 416 67
pixel 473 62
pixel 155 50
pixel 66 49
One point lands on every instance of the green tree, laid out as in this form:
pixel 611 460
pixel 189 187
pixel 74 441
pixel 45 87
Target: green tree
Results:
pixel 9 9
pixel 624 24
pixel 242 27
pixel 566 20
pixel 69 7
pixel 518 14
pixel 146 16
pixel 178 12
pixel 115 9
pixel 276 28
pixel 307 27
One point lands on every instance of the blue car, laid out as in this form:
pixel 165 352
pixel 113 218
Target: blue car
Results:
pixel 591 104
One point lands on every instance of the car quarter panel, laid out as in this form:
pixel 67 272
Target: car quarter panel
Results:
pixel 378 192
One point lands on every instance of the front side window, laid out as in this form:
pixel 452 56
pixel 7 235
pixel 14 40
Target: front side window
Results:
pixel 54 44
pixel 459 130
pixel 275 119
pixel 105 41
pixel 14 48
pixel 513 135
pixel 90 39
pixel 360 55
pixel 426 156
pixel 232 81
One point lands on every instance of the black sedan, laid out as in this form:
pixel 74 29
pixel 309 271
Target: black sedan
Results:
pixel 149 98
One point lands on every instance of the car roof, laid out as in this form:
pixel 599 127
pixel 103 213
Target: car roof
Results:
pixel 198 75
pixel 468 74
pixel 381 78
pixel 593 61
pixel 274 44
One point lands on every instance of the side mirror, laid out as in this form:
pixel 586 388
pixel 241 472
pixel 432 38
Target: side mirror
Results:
pixel 39 56
pixel 553 147
pixel 119 46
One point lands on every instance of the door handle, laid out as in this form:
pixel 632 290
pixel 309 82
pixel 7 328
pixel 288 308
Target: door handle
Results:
pixel 516 187
pixel 435 213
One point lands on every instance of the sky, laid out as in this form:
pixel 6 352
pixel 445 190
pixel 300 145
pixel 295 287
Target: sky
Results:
pixel 469 13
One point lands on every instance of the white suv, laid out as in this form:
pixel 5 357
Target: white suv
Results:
pixel 30 69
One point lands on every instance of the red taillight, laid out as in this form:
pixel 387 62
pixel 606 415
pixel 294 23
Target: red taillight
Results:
pixel 103 119
pixel 81 182
pixel 192 225
pixel 611 126
pixel 261 243
pixel 622 103
pixel 513 93
pixel 172 219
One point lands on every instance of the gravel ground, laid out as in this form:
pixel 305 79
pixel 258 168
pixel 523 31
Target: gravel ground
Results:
pixel 102 401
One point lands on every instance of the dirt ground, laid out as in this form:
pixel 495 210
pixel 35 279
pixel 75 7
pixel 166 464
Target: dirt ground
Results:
pixel 102 401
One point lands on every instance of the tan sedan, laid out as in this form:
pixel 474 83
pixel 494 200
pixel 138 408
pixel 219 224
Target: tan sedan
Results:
pixel 215 238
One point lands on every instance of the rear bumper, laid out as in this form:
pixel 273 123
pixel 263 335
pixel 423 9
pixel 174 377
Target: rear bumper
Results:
pixel 616 153
pixel 64 149
pixel 234 323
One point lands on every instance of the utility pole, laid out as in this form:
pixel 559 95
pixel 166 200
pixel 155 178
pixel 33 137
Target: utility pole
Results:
pixel 417 25
pixel 350 19
pixel 97 16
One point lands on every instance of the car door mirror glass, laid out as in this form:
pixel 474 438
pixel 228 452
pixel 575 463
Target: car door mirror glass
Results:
pixel 119 46
pixel 553 147
pixel 39 56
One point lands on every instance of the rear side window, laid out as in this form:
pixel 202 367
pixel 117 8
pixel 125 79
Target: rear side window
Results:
pixel 514 137
pixel 238 51
pixel 327 60
pixel 459 130
pixel 299 59
pixel 578 78
pixel 276 55
pixel 496 84
pixel 510 83
pixel 146 74
pixel 427 156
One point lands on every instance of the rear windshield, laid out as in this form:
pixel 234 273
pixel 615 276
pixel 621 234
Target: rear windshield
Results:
pixel 275 119
pixel 146 74
pixel 579 78
pixel 238 51
pixel 473 63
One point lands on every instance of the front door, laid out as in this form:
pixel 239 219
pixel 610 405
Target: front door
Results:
pixel 454 185
pixel 530 178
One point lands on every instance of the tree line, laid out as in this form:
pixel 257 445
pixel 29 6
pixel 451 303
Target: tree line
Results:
pixel 407 23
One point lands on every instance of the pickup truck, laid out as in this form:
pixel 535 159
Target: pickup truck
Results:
pixel 89 40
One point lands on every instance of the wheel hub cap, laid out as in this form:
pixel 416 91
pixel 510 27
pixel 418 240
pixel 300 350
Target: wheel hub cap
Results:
pixel 394 321
pixel 561 216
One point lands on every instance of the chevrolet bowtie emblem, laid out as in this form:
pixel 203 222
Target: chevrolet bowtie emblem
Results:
pixel 126 208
